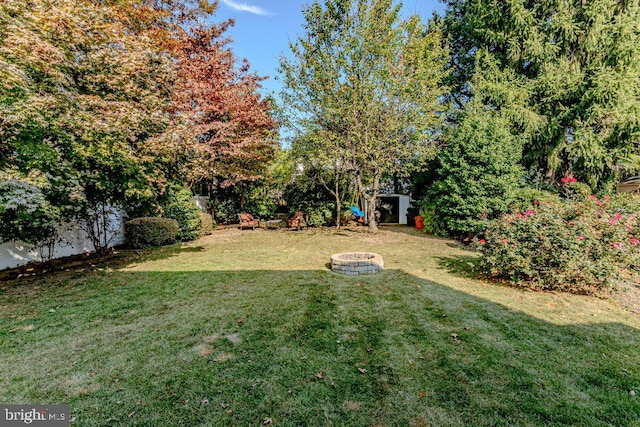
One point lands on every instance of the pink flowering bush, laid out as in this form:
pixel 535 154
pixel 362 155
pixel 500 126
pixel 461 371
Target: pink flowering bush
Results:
pixel 581 246
pixel 568 179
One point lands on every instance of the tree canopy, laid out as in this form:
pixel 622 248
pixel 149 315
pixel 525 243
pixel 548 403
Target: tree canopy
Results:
pixel 367 86
pixel 565 74
pixel 228 123
pixel 105 103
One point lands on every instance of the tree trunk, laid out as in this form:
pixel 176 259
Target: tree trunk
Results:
pixel 371 212
pixel 336 193
pixel 371 199
pixel 338 206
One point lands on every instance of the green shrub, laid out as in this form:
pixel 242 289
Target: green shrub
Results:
pixel 151 231
pixel 432 223
pixel 572 189
pixel 477 176
pixel 183 209
pixel 527 196
pixel 224 211
pixel 206 224
pixel 25 214
pixel 582 246
pixel 318 213
pixel 260 207
pixel 257 198
pixel 346 216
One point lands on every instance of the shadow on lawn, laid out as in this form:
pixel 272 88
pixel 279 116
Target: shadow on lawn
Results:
pixel 163 252
pixel 116 258
pixel 310 348
pixel 466 266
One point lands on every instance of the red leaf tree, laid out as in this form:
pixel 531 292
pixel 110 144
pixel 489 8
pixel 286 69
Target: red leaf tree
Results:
pixel 229 132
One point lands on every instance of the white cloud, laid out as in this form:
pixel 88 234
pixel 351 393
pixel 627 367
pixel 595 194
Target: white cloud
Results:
pixel 243 7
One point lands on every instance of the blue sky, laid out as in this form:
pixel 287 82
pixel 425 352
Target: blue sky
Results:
pixel 263 29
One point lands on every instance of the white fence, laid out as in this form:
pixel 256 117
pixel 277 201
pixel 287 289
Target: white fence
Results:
pixel 75 242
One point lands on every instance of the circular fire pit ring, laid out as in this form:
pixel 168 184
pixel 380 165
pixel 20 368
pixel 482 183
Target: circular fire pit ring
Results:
pixel 356 263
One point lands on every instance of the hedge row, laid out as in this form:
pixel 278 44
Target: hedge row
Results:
pixel 146 232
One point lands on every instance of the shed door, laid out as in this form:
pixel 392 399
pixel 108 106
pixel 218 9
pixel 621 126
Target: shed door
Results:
pixel 389 208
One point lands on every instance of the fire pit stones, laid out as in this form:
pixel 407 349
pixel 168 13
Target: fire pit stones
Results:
pixel 355 263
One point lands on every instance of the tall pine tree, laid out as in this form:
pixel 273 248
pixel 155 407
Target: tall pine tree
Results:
pixel 565 74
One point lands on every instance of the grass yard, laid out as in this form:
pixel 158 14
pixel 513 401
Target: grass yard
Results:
pixel 250 328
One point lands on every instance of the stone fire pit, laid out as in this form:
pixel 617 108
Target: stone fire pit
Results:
pixel 355 263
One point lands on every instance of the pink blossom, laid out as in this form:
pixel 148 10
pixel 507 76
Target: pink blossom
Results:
pixel 519 215
pixel 505 240
pixel 536 202
pixel 582 237
pixel 482 241
pixel 568 179
pixel 513 245
pixel 634 241
pixel 615 218
pixel 598 202
pixel 617 245
pixel 529 212
pixel 607 198
pixel 592 197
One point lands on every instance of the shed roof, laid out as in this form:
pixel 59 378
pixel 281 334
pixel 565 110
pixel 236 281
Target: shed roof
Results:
pixel 630 185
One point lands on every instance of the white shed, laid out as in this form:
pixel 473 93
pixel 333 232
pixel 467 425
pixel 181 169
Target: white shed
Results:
pixel 631 185
pixel 393 208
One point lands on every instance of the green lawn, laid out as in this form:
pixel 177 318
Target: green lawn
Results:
pixel 245 328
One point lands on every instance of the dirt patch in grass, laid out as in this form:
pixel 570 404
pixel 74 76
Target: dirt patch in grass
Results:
pixel 233 338
pixel 223 357
pixel 79 385
pixel 211 338
pixel 203 350
pixel 351 406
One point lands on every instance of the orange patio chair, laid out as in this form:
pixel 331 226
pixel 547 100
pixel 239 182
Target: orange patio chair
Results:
pixel 246 220
pixel 298 221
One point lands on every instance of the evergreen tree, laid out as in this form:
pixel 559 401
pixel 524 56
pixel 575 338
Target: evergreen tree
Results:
pixel 479 172
pixel 565 74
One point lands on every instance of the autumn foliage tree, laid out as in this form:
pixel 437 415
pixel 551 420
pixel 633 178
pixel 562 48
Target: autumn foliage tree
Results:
pixel 230 129
pixel 82 88
pixel 94 96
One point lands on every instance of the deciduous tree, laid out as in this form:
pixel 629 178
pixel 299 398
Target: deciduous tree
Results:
pixel 94 96
pixel 371 83
pixel 230 133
